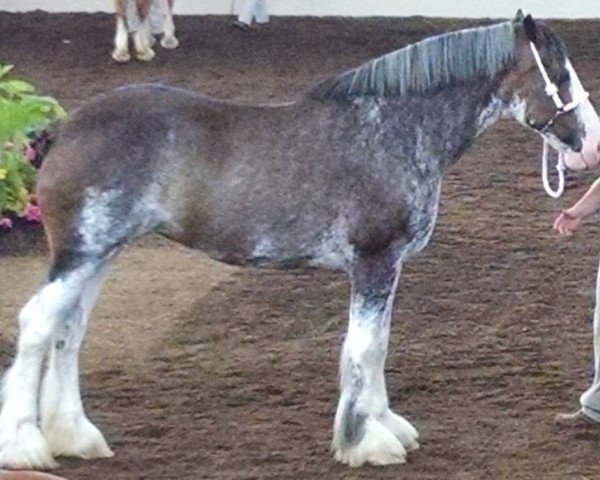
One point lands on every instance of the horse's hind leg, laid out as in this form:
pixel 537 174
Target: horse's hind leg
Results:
pixel 366 430
pixel 22 445
pixel 63 421
pixel 121 51
pixel 169 40
pixel 53 323
pixel 142 37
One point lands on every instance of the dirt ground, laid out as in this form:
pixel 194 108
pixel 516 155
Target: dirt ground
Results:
pixel 195 370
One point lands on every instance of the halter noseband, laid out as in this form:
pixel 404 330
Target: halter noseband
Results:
pixel 561 109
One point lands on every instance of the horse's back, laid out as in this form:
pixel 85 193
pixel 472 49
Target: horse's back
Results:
pixel 125 134
pixel 119 150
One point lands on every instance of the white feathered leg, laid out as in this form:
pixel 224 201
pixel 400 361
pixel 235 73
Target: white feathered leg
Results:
pixel 169 40
pixel 365 429
pixel 22 444
pixel 121 51
pixel 64 423
pixel 141 40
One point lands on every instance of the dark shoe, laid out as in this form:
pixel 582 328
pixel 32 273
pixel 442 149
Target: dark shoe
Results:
pixel 241 25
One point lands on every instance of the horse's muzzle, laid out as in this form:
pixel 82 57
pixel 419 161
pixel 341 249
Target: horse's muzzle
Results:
pixel 587 157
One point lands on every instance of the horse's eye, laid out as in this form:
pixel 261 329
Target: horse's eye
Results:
pixel 534 124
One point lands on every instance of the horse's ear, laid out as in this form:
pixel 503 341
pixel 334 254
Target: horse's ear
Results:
pixel 519 17
pixel 530 28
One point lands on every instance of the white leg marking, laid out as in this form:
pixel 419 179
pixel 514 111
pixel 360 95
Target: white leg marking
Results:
pixel 142 41
pixel 64 423
pixel 169 40
pixel 378 446
pixel 121 51
pixel 402 429
pixel 365 429
pixel 21 443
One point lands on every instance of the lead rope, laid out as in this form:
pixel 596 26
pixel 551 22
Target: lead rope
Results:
pixel 560 168
pixel 552 92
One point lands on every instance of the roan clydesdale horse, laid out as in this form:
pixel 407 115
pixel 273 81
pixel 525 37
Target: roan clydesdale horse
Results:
pixel 348 178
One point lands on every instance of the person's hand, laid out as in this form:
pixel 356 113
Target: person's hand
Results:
pixel 566 223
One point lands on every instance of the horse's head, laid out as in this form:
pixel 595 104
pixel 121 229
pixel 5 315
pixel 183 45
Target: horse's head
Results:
pixel 545 94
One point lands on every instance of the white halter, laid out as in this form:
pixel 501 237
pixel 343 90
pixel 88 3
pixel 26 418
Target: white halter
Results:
pixel 552 92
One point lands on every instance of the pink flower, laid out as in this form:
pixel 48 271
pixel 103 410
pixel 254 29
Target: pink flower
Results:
pixel 30 153
pixel 5 223
pixel 33 213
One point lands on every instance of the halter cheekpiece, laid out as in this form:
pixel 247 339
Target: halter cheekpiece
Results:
pixel 561 108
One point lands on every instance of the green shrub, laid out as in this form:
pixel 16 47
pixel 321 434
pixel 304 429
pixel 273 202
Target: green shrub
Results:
pixel 21 112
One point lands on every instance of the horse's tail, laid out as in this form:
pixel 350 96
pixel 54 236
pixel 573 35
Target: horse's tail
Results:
pixel 39 144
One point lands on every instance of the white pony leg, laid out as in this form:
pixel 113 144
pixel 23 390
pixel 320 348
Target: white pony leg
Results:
pixel 169 40
pixel 22 445
pixel 121 51
pixel 365 429
pixel 141 40
pixel 401 428
pixel 64 423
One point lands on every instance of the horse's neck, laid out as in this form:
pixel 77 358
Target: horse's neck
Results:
pixel 438 128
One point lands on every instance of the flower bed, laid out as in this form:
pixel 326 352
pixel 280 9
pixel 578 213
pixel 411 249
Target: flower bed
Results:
pixel 22 115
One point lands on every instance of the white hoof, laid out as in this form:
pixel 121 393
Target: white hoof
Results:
pixel 169 42
pixel 379 446
pixel 121 56
pixel 76 437
pixel 24 447
pixel 145 55
pixel 404 431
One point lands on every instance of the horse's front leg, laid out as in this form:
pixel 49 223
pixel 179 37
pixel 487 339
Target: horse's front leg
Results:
pixel 169 40
pixel 121 51
pixel 143 35
pixel 366 430
pixel 63 421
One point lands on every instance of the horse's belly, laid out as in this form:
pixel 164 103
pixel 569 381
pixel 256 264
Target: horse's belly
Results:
pixel 328 253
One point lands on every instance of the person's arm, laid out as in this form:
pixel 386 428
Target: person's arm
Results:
pixel 587 204
pixel 570 220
